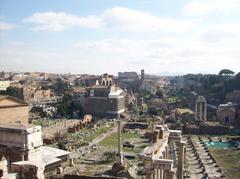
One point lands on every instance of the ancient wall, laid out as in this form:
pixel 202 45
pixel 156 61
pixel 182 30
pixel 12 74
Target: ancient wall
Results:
pixel 14 114
pixel 12 138
pixel 217 129
pixel 191 129
pixel 26 171
pixel 97 106
pixel 67 176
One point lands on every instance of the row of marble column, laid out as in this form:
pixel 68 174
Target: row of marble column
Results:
pixel 201 111
pixel 160 173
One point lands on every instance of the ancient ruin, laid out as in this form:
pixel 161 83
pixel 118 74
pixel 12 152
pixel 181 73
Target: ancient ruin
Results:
pixel 118 165
pixel 161 161
pixel 201 109
pixel 22 147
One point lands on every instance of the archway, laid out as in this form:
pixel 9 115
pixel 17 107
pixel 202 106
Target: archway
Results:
pixel 103 83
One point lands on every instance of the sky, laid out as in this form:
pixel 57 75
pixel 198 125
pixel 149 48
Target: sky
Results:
pixel 167 37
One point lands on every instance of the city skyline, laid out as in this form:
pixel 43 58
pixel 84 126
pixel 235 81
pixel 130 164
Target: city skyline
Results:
pixel 162 37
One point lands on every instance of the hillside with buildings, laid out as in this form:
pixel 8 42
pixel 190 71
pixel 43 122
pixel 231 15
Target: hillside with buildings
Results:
pixel 128 126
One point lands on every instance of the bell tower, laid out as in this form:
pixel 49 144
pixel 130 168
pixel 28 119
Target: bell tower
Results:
pixel 142 75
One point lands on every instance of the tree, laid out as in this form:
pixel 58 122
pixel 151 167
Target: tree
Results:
pixel 67 107
pixel 226 72
pixel 75 107
pixel 14 92
pixel 237 75
pixel 159 93
pixel 60 86
pixel 62 109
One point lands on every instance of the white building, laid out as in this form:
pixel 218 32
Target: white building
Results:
pixel 21 147
pixel 4 84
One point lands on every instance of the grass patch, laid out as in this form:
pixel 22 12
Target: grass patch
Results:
pixel 97 133
pixel 111 140
pixel 170 99
pixel 229 160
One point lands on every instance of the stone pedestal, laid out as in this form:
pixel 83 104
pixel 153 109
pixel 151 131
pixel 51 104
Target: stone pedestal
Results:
pixel 169 174
pixel 149 169
pixel 119 158
pixel 71 163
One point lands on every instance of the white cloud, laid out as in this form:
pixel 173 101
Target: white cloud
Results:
pixel 219 32
pixel 203 7
pixel 169 54
pixel 136 20
pixel 117 17
pixel 181 55
pixel 6 26
pixel 59 21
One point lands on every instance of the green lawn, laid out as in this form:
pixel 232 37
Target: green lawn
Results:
pixel 97 133
pixel 229 160
pixel 111 141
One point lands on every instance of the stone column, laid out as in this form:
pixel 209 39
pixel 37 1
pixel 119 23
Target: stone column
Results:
pixel 158 174
pixel 173 152
pixel 22 156
pixel 164 155
pixel 119 154
pixel 196 111
pixel 167 152
pixel 205 111
pixel 149 169
pixel 161 174
pixel 200 111
pixel 180 161
pixel 154 174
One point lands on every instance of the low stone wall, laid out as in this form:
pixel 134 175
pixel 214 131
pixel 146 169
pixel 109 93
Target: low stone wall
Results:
pixel 213 130
pixel 135 125
pixel 191 129
pixel 89 177
pixel 206 128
